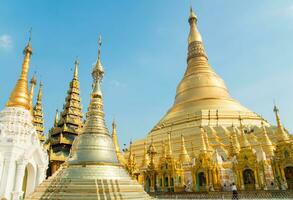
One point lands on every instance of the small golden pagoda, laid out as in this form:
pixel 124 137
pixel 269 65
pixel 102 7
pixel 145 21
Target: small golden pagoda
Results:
pixel 67 127
pixel 116 144
pixel 283 159
pixel 38 118
pixel 92 170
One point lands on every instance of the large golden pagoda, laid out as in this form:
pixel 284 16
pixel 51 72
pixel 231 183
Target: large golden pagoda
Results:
pixel 65 129
pixel 92 170
pixel 205 116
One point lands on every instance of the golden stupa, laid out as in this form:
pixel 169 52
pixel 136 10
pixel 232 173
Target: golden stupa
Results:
pixel 202 100
pixel 92 170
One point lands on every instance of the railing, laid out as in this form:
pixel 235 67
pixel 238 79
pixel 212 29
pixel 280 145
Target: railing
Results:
pixel 226 195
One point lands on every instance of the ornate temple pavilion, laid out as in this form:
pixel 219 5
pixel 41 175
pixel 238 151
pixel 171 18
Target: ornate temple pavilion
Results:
pixel 207 139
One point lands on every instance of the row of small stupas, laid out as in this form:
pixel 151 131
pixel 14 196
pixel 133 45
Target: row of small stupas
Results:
pixel 212 140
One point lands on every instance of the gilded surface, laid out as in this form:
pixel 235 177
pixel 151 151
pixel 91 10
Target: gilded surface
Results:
pixel 92 170
pixel 67 127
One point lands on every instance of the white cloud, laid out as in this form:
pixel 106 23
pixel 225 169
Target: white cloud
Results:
pixel 5 41
pixel 117 83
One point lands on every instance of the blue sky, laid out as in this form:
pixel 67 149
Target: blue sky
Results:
pixel 249 44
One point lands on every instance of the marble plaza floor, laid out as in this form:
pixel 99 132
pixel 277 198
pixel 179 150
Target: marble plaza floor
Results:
pixel 227 195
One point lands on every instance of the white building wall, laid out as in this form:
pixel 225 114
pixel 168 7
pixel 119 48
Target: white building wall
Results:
pixel 20 149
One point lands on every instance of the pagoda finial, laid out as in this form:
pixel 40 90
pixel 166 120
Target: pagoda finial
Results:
pixel 33 82
pixel 40 93
pixel 76 64
pixel 195 45
pixel 194 35
pixel 100 44
pixel 283 136
pixel 276 111
pixel 20 95
pixel 98 71
pixel 56 120
pixel 114 125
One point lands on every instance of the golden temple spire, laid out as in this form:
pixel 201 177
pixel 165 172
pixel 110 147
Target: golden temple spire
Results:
pixel 38 115
pixel 131 162
pixel 282 135
pixel 235 138
pixel 202 142
pixel 56 119
pixel 243 142
pixel 195 45
pixel 267 143
pixel 233 143
pixel 76 64
pixel 20 96
pixel 266 138
pixel 146 160
pixel 95 136
pixel 183 157
pixel 120 157
pixel 33 82
pixel 152 152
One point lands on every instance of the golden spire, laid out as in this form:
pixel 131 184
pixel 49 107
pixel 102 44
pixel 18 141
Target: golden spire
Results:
pixel 146 160
pixel 95 136
pixel 131 163
pixel 183 157
pixel 195 45
pixel 152 152
pixel 266 138
pixel 282 135
pixel 56 120
pixel 120 157
pixel 233 143
pixel 243 142
pixel 76 64
pixel 33 82
pixel 235 138
pixel 38 115
pixel 202 142
pixel 267 143
pixel 20 96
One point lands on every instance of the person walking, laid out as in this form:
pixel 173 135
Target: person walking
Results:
pixel 234 191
